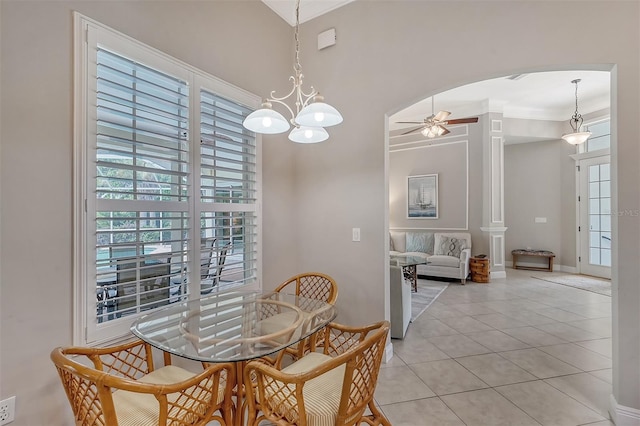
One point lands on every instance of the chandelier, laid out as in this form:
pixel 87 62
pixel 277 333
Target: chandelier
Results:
pixel 576 137
pixel 311 115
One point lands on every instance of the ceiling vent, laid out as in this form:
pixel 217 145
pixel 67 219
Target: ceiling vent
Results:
pixel 517 77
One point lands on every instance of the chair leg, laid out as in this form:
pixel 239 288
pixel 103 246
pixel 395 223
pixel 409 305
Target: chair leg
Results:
pixel 463 281
pixel 377 418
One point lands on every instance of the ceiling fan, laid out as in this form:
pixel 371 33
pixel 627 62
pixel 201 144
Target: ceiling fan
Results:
pixel 433 125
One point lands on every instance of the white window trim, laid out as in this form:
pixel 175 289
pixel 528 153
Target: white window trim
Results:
pixel 83 263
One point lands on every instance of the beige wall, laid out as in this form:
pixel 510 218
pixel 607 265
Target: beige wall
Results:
pixel 314 194
pixel 457 160
pixel 380 65
pixel 449 162
pixel 244 43
pixel 540 182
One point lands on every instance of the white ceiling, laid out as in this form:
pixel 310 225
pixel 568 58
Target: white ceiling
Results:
pixel 539 96
pixel 309 9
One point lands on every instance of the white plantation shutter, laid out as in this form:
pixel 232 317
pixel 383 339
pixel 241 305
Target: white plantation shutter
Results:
pixel 141 186
pixel 170 187
pixel 228 184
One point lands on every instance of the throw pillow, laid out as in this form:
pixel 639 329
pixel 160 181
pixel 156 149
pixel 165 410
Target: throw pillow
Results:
pixel 450 246
pixel 420 241
pixel 391 246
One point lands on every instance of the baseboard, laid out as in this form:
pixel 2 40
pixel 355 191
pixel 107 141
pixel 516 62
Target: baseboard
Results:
pixel 556 268
pixel 621 415
pixel 567 269
pixel 498 274
pixel 388 352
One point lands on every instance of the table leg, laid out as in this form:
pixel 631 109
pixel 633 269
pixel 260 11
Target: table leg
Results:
pixel 410 273
pixel 414 271
pixel 240 399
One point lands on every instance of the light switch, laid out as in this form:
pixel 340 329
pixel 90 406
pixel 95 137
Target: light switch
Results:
pixel 356 234
pixel 541 220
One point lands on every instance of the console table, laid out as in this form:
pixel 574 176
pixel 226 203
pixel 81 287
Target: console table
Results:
pixel 534 253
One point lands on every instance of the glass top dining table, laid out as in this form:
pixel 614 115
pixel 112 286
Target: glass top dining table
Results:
pixel 233 326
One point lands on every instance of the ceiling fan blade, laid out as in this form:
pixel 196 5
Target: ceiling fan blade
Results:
pixel 412 130
pixel 409 122
pixel 463 120
pixel 446 131
pixel 441 115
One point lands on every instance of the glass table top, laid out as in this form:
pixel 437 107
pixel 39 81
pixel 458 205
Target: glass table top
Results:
pixel 407 260
pixel 233 325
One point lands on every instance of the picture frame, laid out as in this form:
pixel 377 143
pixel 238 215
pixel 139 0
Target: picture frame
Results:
pixel 422 197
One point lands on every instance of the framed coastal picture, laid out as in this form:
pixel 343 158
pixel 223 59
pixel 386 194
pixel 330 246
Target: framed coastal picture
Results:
pixel 422 197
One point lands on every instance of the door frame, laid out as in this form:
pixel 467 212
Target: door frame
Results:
pixel 580 159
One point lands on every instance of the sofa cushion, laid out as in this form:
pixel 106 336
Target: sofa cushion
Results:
pixel 440 260
pixel 399 240
pixel 420 242
pixel 419 254
pixel 450 246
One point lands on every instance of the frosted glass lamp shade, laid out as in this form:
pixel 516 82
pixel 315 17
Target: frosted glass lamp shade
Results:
pixel 305 134
pixel 433 131
pixel 576 138
pixel 318 114
pixel 266 120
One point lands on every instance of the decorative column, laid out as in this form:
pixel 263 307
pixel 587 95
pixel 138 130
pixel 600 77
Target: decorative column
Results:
pixel 493 192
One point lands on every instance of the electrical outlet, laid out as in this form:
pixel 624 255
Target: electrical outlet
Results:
pixel 7 410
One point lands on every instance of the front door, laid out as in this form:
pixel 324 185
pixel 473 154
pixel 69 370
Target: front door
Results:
pixel 595 216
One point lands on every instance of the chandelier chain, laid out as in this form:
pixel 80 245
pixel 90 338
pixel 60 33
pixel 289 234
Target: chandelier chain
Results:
pixel 576 99
pixel 576 120
pixel 297 65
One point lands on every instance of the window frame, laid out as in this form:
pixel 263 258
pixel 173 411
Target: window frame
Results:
pixel 584 148
pixel 88 34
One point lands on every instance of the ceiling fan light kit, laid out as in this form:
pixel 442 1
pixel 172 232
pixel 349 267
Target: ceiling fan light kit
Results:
pixel 433 131
pixel 311 115
pixel 576 137
pixel 433 125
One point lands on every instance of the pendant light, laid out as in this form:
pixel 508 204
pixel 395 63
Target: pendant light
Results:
pixel 311 115
pixel 576 137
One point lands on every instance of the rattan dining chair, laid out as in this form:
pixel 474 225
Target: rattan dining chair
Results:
pixel 332 387
pixel 119 386
pixel 312 285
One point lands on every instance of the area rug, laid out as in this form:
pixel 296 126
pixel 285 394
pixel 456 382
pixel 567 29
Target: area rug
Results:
pixel 428 291
pixel 583 282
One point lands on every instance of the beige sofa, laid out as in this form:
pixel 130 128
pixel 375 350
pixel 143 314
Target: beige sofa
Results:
pixel 447 253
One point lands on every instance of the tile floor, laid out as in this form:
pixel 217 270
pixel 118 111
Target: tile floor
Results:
pixel 517 351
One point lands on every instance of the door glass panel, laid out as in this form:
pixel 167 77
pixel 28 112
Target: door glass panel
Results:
pixel 600 215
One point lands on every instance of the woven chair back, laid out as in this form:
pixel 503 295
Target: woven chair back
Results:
pixel 312 285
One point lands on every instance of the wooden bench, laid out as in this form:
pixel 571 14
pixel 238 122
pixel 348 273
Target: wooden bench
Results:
pixel 535 253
